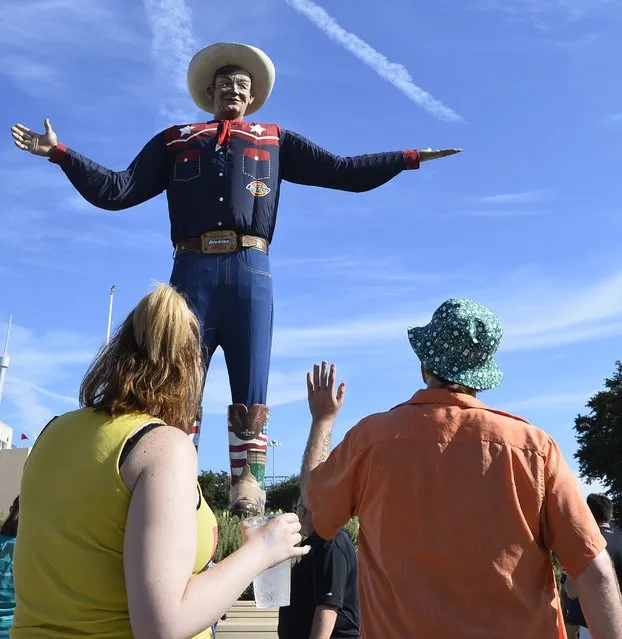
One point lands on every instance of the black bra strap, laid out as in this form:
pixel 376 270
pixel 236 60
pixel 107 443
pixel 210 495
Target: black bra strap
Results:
pixel 134 439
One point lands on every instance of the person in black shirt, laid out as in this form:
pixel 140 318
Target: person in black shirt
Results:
pixel 602 509
pixel 324 595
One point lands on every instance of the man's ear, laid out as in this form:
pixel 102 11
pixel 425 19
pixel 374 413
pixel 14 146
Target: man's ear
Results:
pixel 251 99
pixel 424 373
pixel 210 92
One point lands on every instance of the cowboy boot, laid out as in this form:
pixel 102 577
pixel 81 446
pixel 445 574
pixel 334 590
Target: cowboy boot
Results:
pixel 248 443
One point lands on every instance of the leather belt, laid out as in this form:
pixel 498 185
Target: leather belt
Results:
pixel 219 242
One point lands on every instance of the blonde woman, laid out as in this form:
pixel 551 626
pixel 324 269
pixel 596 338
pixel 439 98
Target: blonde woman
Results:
pixel 114 533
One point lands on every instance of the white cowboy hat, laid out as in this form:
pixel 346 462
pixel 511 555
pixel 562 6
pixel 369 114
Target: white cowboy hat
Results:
pixel 207 61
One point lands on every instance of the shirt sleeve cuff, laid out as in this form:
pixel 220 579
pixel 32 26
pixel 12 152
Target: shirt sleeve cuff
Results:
pixel 58 153
pixel 580 563
pixel 330 600
pixel 412 159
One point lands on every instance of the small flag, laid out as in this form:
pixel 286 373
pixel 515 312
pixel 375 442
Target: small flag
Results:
pixel 24 437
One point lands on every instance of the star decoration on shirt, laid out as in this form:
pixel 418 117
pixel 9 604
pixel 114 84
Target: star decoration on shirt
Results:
pixel 257 128
pixel 186 130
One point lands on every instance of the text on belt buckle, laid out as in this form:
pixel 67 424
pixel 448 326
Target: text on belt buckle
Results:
pixel 219 242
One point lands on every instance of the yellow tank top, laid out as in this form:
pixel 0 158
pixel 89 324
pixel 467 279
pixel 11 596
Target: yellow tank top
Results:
pixel 68 563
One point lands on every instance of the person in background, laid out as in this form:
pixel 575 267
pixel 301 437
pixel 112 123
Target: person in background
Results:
pixel 602 509
pixel 459 504
pixel 117 544
pixel 571 610
pixel 324 595
pixel 8 533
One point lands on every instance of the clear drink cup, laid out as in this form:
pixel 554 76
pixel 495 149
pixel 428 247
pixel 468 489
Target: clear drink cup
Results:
pixel 272 586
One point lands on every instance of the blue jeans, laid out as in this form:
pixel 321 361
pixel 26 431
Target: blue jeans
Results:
pixel 231 295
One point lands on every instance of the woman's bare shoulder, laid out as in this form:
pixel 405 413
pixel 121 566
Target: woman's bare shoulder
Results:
pixel 162 446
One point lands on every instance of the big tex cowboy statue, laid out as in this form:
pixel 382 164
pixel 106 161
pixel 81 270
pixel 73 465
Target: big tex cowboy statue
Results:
pixel 222 180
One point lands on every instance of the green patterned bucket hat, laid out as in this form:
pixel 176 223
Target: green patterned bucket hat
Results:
pixel 459 344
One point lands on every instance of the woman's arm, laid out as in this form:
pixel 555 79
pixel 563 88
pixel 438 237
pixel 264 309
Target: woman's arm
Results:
pixel 165 600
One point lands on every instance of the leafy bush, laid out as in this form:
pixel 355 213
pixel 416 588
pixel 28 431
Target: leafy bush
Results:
pixel 352 529
pixel 215 489
pixel 230 539
pixel 229 535
pixel 284 495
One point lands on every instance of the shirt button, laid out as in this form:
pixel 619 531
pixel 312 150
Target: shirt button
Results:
pixel 257 157
pixel 221 199
pixel 220 174
pixel 219 223
pixel 185 159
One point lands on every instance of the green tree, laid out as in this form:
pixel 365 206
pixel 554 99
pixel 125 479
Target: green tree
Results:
pixel 599 436
pixel 215 489
pixel 284 495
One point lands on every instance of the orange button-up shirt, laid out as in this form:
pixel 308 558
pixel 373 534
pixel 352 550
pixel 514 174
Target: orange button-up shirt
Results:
pixel 459 508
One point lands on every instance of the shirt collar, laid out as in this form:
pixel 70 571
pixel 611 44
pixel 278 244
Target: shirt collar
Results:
pixel 442 396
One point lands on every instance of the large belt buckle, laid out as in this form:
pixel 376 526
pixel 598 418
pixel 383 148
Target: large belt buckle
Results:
pixel 216 242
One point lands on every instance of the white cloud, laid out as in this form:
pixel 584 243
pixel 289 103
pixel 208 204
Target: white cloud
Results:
pixel 580 43
pixel 534 316
pixel 541 11
pixel 553 401
pixel 359 267
pixel 47 367
pixel 35 35
pixel 285 386
pixel 504 213
pixel 553 315
pixel 304 341
pixel 42 23
pixel 394 73
pixel 40 362
pixel 33 77
pixel 523 197
pixel 172 47
pixel 26 180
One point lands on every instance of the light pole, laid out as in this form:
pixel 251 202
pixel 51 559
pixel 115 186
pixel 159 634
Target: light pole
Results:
pixel 112 288
pixel 4 358
pixel 274 444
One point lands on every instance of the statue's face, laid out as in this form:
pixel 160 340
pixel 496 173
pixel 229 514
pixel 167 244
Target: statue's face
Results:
pixel 232 94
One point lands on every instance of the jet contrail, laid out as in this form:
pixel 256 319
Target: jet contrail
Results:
pixel 172 46
pixel 396 74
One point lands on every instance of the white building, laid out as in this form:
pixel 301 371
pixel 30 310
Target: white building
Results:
pixel 6 436
pixel 12 462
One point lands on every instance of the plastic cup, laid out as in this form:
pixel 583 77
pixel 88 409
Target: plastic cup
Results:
pixel 272 587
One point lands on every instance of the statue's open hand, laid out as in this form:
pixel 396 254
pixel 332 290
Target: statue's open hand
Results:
pixel 35 143
pixel 429 154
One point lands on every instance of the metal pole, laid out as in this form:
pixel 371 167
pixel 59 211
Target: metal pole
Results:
pixel 110 313
pixel 273 443
pixel 4 358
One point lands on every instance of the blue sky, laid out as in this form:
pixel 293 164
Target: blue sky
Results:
pixel 527 220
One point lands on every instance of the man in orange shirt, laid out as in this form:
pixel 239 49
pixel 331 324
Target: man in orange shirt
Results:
pixel 459 505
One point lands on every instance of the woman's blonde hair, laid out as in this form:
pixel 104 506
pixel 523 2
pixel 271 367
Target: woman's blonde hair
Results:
pixel 152 364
